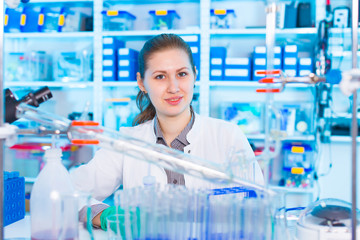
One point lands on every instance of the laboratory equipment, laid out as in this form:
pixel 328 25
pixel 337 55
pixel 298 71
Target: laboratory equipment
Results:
pixel 50 217
pixel 222 18
pixel 80 132
pixel 164 19
pixel 298 164
pixel 14 197
pixel 117 20
pixel 326 219
pixel 150 212
pixel 32 98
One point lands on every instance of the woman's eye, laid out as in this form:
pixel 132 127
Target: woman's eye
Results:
pixel 160 77
pixel 182 74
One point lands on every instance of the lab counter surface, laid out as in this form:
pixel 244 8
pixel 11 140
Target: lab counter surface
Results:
pixel 20 230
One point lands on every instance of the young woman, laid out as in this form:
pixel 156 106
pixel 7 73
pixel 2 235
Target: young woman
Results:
pixel 166 79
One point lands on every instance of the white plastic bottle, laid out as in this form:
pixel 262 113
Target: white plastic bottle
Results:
pixel 110 118
pixel 50 220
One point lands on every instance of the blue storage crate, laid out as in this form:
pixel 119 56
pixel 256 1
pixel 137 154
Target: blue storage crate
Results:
pixel 14 197
pixel 29 20
pixel 222 18
pixel 116 20
pixel 164 19
pixel 12 20
pixel 127 70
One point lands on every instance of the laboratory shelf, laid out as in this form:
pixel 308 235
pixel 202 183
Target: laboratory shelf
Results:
pixel 309 190
pixel 343 139
pixel 262 31
pixel 291 138
pixel 84 34
pixel 50 84
pixel 119 84
pixel 150 32
pixel 61 1
pixel 254 84
pixel 341 30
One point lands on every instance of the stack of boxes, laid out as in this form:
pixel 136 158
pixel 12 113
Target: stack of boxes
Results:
pixel 290 60
pixel 237 69
pixel 217 63
pixel 14 197
pixel 119 63
pixel 259 60
pixel 127 64
pixel 305 66
pixel 110 48
pixel 194 43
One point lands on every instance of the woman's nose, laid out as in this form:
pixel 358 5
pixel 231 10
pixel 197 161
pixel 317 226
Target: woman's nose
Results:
pixel 173 85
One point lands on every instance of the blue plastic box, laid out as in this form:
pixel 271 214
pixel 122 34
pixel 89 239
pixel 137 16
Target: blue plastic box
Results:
pixel 298 155
pixel 14 197
pixel 222 18
pixel 127 64
pixel 117 20
pixel 237 69
pixel 12 20
pixel 164 19
pixel 29 21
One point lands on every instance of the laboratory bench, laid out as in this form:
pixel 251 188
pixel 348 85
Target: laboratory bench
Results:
pixel 21 230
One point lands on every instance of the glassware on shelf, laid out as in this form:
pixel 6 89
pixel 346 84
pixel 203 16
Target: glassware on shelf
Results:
pixel 40 66
pixel 16 67
pixel 72 66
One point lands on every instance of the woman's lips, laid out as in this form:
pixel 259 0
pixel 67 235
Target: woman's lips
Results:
pixel 174 100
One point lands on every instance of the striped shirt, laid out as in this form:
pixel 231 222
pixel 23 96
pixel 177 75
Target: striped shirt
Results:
pixel 179 143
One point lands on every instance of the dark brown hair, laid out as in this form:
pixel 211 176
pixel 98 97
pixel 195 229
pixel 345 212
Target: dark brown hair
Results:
pixel 158 43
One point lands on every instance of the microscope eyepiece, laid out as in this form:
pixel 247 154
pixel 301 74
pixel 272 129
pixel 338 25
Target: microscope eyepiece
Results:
pixel 33 98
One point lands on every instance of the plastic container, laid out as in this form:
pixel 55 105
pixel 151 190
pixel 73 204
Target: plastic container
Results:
pixel 16 67
pixel 14 197
pixel 110 119
pixel 72 66
pixel 164 19
pixel 40 66
pixel 222 18
pixel 49 219
pixel 29 20
pixel 12 20
pixel 116 20
pixel 248 116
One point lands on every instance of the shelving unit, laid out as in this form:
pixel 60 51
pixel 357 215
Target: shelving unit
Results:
pixel 99 90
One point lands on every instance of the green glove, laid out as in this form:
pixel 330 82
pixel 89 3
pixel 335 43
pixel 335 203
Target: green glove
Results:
pixel 108 212
pixel 112 211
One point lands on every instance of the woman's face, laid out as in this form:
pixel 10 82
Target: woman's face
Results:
pixel 169 82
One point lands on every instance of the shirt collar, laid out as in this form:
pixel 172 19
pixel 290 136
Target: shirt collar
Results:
pixel 183 134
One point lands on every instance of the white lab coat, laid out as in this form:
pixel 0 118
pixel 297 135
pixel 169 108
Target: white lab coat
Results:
pixel 210 139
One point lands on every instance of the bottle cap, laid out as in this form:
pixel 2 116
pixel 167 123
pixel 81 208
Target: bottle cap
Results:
pixel 53 153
